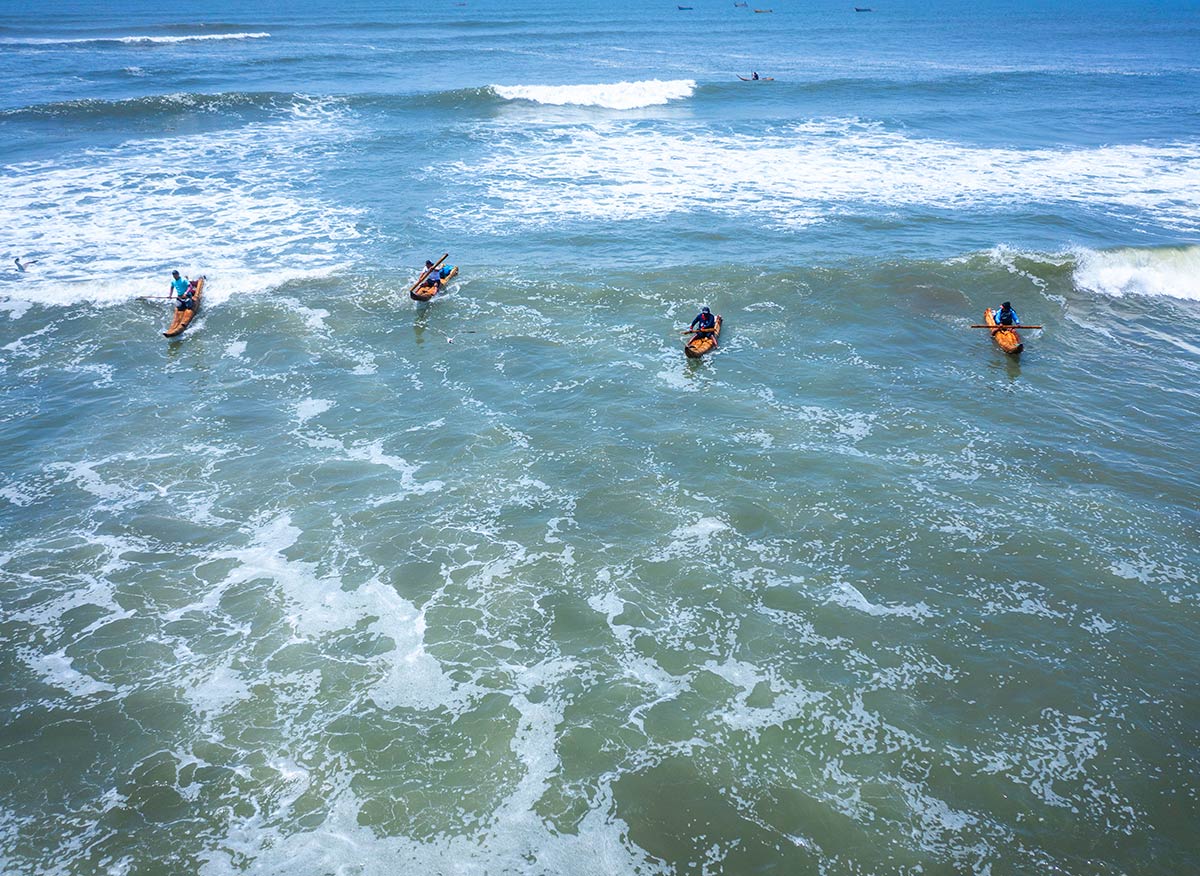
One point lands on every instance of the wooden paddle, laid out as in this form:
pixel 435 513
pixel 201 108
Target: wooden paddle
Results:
pixel 1000 327
pixel 425 274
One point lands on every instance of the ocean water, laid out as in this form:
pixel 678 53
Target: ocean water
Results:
pixel 339 583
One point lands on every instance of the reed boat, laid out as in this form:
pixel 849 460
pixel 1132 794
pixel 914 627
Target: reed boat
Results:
pixel 183 318
pixel 697 347
pixel 1006 338
pixel 425 293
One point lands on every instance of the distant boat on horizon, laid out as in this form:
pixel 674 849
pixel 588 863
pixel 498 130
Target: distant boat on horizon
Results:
pixel 863 9
pixel 741 5
pixel 764 10
pixel 684 8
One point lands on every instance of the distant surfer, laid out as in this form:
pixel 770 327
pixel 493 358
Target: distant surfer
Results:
pixel 22 265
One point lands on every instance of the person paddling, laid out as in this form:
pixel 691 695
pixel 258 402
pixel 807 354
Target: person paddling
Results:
pixel 183 292
pixel 433 277
pixel 703 324
pixel 1006 315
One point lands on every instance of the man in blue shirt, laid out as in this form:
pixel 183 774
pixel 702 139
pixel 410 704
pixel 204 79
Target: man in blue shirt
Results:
pixel 704 323
pixel 183 292
pixel 1006 315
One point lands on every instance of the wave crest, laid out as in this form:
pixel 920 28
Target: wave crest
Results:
pixel 614 95
pixel 136 39
pixel 1163 271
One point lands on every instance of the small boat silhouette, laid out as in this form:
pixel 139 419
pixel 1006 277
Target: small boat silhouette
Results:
pixel 764 10
pixel 684 8
pixel 863 9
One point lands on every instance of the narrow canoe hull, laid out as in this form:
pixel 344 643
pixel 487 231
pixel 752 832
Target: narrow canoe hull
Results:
pixel 1007 339
pixel 183 318
pixel 697 347
pixel 425 293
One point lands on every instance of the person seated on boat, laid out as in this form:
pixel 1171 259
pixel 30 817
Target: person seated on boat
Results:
pixel 754 76
pixel 1005 315
pixel 184 292
pixel 704 323
pixel 433 279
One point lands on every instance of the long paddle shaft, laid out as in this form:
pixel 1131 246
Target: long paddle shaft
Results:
pixel 426 273
pixel 1002 327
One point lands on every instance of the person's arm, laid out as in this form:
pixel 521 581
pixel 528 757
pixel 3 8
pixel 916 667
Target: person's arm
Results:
pixel 1016 319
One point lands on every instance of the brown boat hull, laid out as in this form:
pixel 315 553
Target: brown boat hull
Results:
pixel 1006 339
pixel 697 347
pixel 183 318
pixel 426 293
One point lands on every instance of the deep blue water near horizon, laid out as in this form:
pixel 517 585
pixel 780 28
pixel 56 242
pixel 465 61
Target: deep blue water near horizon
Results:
pixel 340 583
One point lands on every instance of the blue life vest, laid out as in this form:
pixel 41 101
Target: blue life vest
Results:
pixel 1007 317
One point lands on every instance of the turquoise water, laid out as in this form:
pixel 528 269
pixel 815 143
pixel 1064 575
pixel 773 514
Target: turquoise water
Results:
pixel 340 583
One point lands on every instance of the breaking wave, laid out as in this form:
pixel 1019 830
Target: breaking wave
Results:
pixel 614 95
pixel 137 39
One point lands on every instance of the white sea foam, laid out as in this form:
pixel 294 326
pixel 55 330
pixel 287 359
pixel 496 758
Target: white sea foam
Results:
pixel 691 540
pixel 135 39
pixel 312 407
pixel 1171 272
pixel 795 176
pixel 611 95
pixel 109 224
pixel 849 596
pixel 58 671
